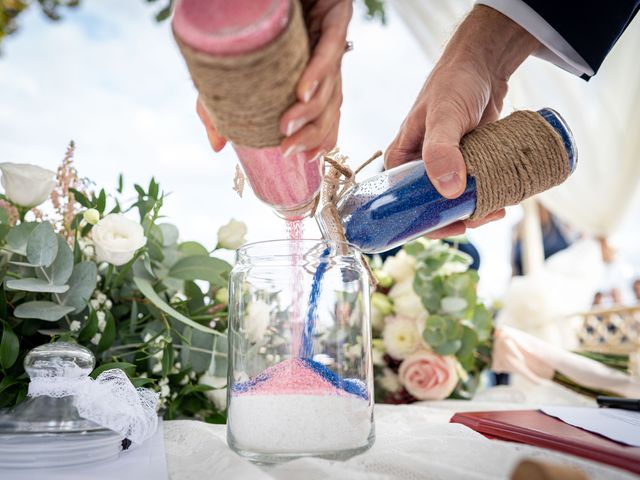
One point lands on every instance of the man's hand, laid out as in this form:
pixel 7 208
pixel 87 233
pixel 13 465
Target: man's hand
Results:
pixel 465 89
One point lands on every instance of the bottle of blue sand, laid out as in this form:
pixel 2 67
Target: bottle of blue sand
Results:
pixel 507 161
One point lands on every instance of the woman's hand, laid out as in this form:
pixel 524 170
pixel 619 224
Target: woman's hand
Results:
pixel 311 124
pixel 465 89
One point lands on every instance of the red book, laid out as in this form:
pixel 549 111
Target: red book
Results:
pixel 533 427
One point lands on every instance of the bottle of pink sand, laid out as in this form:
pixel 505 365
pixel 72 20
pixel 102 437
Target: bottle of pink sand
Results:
pixel 245 60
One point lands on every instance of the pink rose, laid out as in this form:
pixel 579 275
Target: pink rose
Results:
pixel 428 376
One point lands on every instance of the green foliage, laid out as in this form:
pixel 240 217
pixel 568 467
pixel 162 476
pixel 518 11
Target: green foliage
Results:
pixel 458 324
pixel 156 317
pixel 455 322
pixel 375 9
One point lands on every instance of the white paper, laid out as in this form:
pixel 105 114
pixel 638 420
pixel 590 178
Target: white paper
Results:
pixel 620 425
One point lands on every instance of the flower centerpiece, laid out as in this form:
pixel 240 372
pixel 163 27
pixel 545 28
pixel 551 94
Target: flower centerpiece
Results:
pixel 92 268
pixel 432 337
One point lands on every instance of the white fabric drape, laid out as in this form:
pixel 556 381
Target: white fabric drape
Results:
pixel 604 115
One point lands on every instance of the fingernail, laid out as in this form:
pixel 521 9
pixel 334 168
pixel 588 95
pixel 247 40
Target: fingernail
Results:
pixel 449 184
pixel 294 149
pixel 311 89
pixel 294 125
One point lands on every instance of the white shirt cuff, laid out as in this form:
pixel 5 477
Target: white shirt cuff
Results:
pixel 555 48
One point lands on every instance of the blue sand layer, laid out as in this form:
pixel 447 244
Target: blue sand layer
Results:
pixel 352 386
pixel 409 207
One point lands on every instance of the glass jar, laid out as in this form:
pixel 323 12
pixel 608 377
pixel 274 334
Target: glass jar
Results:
pixel 401 204
pixel 300 368
pixel 223 28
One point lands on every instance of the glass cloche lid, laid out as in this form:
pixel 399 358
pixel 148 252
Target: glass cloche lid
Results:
pixel 46 429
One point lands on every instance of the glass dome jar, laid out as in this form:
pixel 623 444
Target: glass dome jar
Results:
pixel 300 368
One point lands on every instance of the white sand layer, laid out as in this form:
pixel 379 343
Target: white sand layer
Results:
pixel 299 423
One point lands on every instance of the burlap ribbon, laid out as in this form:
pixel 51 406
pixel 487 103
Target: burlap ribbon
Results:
pixel 513 159
pixel 245 95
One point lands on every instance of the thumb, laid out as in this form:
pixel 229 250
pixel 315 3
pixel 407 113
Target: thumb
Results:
pixel 444 127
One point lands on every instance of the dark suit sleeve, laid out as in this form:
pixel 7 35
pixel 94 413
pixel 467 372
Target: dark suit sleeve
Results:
pixel 591 27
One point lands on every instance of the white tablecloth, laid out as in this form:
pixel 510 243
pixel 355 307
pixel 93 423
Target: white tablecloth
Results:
pixel 412 442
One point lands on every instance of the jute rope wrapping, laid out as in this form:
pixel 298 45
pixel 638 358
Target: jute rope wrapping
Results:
pixel 245 95
pixel 513 159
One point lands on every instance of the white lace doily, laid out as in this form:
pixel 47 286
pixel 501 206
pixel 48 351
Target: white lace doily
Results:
pixel 110 400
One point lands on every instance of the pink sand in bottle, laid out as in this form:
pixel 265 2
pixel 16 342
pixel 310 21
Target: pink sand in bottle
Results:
pixel 224 27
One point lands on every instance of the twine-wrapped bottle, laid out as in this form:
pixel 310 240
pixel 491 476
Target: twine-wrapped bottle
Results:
pixel 507 161
pixel 245 58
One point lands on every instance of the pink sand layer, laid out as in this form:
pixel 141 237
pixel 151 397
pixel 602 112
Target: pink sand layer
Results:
pixel 293 377
pixel 227 27
pixel 285 183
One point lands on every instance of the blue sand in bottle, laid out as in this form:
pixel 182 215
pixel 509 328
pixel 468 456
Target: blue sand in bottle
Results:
pixel 405 211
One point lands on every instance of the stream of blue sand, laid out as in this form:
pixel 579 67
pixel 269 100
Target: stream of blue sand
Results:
pixel 306 350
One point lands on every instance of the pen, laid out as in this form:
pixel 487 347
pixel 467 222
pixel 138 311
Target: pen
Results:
pixel 616 402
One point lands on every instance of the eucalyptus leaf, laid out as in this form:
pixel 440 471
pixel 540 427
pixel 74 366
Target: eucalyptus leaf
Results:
pixel 450 347
pixel 469 342
pixel 210 269
pixel 147 290
pixel 9 347
pixel 35 285
pixel 82 283
pixel 42 245
pixel 194 295
pixel 42 310
pixel 169 234
pixel 199 350
pixel 60 270
pixel 18 236
pixel 192 249
pixel 414 248
pixel 482 322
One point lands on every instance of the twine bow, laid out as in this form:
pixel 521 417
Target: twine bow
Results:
pixel 339 178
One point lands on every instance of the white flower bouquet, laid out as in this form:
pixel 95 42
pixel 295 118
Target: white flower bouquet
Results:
pixel 83 268
pixel 432 338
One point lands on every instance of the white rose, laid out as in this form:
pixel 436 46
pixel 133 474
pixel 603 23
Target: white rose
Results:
pixel 257 320
pixel 401 266
pixel 231 235
pixel 117 239
pixel 406 301
pixel 390 381
pixel 219 395
pixel 377 352
pixel 381 307
pixel 26 185
pixel 401 337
